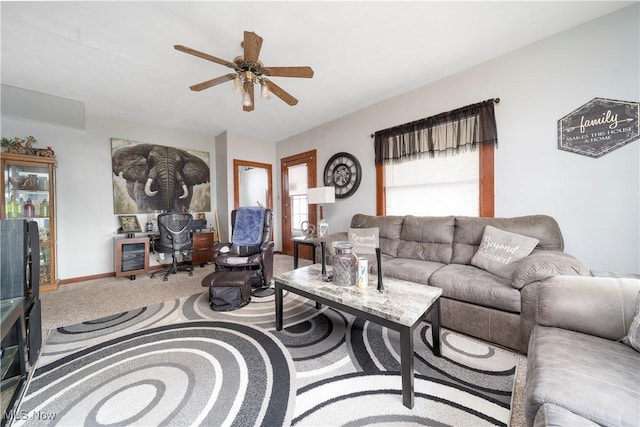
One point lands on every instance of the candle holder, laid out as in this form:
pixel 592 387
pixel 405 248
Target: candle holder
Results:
pixel 323 249
pixel 379 261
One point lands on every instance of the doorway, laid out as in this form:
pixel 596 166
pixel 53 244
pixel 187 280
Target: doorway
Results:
pixel 299 172
pixel 252 184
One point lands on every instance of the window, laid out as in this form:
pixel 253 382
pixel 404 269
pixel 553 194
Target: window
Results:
pixel 299 211
pixel 298 194
pixel 434 186
pixel 440 165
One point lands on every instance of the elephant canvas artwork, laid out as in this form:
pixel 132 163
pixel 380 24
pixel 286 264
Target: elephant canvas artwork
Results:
pixel 149 178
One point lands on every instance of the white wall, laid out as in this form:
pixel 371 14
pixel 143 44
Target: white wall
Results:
pixel 596 201
pixel 222 200
pixel 86 224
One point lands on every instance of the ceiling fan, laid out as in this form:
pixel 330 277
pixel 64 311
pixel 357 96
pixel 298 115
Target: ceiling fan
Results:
pixel 248 71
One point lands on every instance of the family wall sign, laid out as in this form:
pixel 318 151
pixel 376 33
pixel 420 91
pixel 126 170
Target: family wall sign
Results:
pixel 599 127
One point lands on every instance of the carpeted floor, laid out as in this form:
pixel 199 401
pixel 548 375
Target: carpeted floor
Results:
pixel 87 301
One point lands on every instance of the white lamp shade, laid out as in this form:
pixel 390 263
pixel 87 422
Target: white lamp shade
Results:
pixel 321 195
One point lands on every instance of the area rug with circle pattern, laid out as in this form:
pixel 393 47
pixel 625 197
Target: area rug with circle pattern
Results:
pixel 180 363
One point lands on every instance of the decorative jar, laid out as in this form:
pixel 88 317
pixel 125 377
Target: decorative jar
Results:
pixel 345 264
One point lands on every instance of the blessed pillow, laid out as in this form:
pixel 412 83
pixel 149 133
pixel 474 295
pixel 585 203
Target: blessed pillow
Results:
pixel 365 240
pixel 500 250
pixel 633 336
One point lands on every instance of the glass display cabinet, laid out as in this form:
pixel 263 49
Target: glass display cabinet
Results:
pixel 29 193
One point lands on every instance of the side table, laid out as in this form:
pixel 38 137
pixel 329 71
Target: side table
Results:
pixel 307 241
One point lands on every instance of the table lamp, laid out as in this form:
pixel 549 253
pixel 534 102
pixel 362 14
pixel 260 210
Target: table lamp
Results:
pixel 319 196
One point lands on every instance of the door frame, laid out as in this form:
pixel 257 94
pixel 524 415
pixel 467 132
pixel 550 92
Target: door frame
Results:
pixel 309 158
pixel 237 163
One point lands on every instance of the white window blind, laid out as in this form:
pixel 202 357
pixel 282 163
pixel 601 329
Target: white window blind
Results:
pixel 434 186
pixel 297 180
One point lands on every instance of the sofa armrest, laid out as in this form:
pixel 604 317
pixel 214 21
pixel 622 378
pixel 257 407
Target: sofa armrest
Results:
pixel 603 307
pixel 543 264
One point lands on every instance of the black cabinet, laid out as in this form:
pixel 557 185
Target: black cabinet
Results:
pixel 13 364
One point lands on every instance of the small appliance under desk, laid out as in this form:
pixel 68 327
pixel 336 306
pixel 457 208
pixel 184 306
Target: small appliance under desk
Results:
pixel 132 251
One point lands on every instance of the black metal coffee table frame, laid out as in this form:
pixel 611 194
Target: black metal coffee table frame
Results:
pixel 406 332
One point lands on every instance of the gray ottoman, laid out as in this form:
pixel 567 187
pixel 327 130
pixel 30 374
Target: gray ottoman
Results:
pixel 229 290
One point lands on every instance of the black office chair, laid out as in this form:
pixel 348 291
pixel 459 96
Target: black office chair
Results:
pixel 257 255
pixel 175 237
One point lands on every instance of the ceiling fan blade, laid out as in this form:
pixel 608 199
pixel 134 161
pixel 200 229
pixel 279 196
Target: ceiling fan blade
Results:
pixel 252 44
pixel 204 56
pixel 281 93
pixel 210 83
pixel 305 72
pixel 248 87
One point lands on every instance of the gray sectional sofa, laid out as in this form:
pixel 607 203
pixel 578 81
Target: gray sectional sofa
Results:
pixel 437 251
pixel 579 372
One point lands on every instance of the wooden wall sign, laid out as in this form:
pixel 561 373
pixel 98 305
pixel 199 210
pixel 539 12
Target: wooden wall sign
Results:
pixel 599 127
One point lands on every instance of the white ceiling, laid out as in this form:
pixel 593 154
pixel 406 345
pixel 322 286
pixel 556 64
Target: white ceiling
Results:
pixel 118 57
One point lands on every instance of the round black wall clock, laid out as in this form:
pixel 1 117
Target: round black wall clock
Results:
pixel 343 172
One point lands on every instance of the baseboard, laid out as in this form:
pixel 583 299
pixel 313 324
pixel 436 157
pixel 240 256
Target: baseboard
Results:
pixel 85 278
pixel 102 276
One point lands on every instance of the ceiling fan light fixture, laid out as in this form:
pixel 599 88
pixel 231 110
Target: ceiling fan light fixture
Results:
pixel 264 90
pixel 249 76
pixel 237 85
pixel 246 99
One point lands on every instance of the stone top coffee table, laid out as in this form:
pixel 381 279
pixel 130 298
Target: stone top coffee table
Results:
pixel 401 308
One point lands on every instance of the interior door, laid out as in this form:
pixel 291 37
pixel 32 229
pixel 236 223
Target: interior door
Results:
pixel 290 228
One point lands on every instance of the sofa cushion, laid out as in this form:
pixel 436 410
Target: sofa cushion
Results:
pixel 500 251
pixel 632 338
pixel 412 270
pixel 473 285
pixel 389 226
pixel 427 238
pixel 469 230
pixel 554 416
pixel 593 377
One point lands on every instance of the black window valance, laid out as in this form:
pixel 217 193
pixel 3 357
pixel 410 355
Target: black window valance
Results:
pixel 443 134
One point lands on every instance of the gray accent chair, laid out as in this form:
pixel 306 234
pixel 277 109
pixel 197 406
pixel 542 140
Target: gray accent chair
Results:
pixel 579 373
